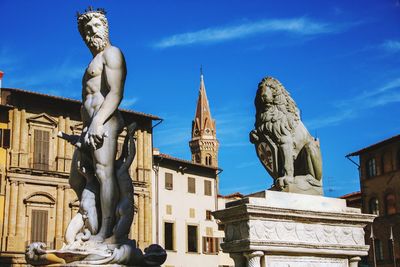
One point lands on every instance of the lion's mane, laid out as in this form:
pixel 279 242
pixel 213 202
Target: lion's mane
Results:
pixel 279 118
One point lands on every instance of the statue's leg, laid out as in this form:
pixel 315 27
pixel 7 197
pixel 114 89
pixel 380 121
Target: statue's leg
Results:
pixel 286 150
pixel 103 160
pixel 314 159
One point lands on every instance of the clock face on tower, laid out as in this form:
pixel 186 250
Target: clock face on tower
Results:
pixel 196 132
pixel 208 131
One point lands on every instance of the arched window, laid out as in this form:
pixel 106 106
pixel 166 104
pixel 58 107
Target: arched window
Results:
pixel 371 167
pixel 208 160
pixel 390 204
pixel 374 206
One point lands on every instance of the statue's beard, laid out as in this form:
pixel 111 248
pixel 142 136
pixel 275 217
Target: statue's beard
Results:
pixel 97 42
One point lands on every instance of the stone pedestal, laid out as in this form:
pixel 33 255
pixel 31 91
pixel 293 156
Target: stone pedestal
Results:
pixel 287 229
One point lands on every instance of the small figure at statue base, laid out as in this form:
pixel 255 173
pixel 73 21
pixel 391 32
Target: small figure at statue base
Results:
pixel 93 254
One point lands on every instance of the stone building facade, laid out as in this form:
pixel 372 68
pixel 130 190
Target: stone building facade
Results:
pixel 185 195
pixel 379 166
pixel 36 201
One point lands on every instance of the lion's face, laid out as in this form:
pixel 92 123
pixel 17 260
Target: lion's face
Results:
pixel 266 96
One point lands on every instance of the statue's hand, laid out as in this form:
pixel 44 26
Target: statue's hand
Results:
pixel 95 135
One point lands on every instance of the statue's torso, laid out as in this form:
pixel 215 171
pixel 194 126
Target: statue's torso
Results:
pixel 95 89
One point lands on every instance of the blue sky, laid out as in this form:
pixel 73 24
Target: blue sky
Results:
pixel 339 60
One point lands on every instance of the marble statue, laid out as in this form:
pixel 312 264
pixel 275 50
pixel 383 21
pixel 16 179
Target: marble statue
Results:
pixel 284 146
pixel 98 234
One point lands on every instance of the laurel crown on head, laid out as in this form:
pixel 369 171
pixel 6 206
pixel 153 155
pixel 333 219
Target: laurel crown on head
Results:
pixel 91 10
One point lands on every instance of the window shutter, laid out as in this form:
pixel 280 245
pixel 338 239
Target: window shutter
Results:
pixel 39 226
pixel 41 150
pixel 207 188
pixel 191 185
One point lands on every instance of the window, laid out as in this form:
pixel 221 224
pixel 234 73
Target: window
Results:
pixel 169 209
pixel 378 250
pixel 371 168
pixel 210 245
pixel 208 160
pixel 39 226
pixel 197 158
pixel 41 150
pixel 169 236
pixel 374 206
pixel 191 185
pixel 207 188
pixel 192 213
pixel 390 204
pixel 169 181
pixel 208 215
pixel 192 238
pixel 5 136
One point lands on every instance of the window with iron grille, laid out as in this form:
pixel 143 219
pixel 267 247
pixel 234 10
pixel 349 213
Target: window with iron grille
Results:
pixel 208 215
pixel 169 181
pixel 210 245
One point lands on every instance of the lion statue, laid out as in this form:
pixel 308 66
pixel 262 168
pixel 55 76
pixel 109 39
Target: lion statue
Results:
pixel 284 146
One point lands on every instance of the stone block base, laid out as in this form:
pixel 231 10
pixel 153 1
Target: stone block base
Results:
pixel 281 229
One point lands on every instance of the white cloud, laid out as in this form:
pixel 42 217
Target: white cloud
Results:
pixel 128 102
pixel 331 120
pixel 392 46
pixel 352 108
pixel 300 26
pixel 59 79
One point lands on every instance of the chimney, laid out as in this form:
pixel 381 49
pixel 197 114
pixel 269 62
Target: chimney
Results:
pixel 1 78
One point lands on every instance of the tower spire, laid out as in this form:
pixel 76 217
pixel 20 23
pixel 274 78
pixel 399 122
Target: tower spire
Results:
pixel 204 143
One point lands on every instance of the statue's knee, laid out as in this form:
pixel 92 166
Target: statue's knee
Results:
pixel 100 171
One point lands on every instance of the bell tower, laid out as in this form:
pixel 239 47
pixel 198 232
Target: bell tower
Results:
pixel 204 144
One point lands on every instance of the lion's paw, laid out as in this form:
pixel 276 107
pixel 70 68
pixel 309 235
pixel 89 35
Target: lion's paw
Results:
pixel 283 181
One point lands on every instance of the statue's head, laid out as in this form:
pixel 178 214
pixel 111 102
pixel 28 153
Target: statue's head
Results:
pixel 93 27
pixel 267 91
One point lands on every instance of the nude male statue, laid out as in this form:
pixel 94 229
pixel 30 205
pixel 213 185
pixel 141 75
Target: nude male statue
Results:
pixel 102 92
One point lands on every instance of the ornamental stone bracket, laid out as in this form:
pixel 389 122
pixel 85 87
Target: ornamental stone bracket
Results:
pixel 272 228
